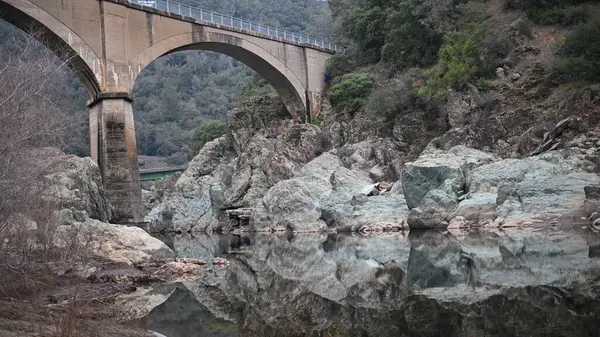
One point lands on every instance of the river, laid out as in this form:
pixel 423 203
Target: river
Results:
pixel 526 282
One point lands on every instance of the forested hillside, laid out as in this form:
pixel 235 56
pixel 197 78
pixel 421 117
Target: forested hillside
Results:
pixel 177 93
pixel 490 69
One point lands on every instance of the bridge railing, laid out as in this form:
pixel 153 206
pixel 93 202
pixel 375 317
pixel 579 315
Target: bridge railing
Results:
pixel 229 21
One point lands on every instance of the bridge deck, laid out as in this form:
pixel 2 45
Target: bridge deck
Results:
pixel 206 16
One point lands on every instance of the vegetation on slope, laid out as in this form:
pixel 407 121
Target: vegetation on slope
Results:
pixel 419 50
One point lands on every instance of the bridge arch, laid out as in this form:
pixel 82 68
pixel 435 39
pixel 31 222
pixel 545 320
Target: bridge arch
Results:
pixel 109 42
pixel 57 37
pixel 285 82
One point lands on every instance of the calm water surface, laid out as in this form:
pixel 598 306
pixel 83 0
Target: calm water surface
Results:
pixel 506 283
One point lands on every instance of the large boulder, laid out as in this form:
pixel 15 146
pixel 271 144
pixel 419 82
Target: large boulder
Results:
pixel 434 211
pixel 261 149
pixel 298 203
pixel 440 170
pixel 382 158
pixel 478 207
pixel 367 213
pixel 269 158
pixel 434 183
pixel 75 183
pixel 80 225
pixel 193 202
pixel 117 243
pixel 478 187
pixel 549 184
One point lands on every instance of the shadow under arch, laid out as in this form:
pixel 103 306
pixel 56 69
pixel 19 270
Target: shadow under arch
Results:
pixel 55 36
pixel 286 83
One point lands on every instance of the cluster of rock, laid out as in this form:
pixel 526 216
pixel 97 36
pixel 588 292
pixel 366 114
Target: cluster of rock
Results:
pixel 473 187
pixel 286 173
pixel 78 219
pixel 282 176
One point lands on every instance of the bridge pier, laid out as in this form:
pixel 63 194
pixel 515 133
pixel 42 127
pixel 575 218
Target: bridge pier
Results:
pixel 113 147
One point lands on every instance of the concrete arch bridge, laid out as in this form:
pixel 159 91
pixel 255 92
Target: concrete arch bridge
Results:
pixel 109 42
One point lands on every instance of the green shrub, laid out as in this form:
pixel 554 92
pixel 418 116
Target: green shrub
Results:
pixel 465 57
pixel 206 132
pixel 483 84
pixel 339 64
pixel 549 12
pixel 458 61
pixel 409 43
pixel 580 55
pixel 547 16
pixel 350 95
pixel 318 121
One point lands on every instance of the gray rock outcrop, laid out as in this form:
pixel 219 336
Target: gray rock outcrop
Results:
pixel 75 183
pixel 262 148
pixel 434 183
pixel 80 223
pixel 550 184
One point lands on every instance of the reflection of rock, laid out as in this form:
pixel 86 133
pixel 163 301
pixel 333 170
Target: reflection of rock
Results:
pixel 203 247
pixel 141 302
pixel 434 260
pixel 427 284
pixel 183 316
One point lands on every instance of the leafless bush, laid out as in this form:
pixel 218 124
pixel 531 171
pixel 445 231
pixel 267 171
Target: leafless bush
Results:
pixel 34 113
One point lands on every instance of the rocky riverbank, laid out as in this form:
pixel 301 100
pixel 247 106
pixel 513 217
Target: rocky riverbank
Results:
pixel 300 177
pixel 64 264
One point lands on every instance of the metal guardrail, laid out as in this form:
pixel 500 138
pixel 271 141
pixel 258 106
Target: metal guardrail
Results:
pixel 229 21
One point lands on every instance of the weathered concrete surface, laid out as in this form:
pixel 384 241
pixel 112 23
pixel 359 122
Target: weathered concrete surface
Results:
pixel 113 147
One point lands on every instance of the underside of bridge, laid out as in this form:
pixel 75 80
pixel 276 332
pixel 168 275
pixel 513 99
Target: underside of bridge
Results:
pixel 109 42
